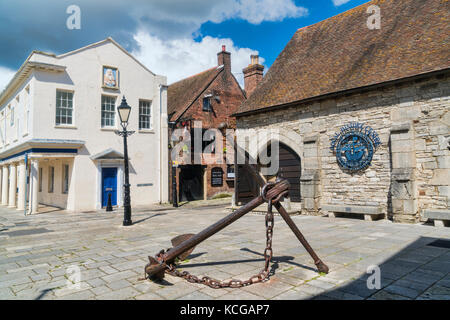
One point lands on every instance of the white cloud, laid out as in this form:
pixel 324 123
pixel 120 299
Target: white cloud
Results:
pixel 339 2
pixel 180 58
pixel 179 18
pixel 257 11
pixel 6 75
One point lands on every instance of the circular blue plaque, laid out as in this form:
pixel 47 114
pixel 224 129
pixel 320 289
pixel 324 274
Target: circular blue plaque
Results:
pixel 354 146
pixel 354 151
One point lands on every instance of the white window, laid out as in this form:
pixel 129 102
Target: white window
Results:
pixel 12 117
pixel 27 117
pixel 65 181
pixel 51 179
pixel 145 112
pixel 108 111
pixel 64 107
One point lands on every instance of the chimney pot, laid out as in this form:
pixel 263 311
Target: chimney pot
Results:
pixel 254 59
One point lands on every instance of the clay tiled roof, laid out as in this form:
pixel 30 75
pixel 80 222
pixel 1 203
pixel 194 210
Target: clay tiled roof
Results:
pixel 183 93
pixel 342 53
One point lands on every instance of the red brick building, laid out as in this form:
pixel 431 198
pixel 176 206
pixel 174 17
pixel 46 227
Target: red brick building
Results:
pixel 210 97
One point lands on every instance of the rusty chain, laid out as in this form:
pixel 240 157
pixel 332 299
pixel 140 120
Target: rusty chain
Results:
pixel 233 283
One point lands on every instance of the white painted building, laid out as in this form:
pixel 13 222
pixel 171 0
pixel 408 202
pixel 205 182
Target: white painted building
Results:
pixel 59 114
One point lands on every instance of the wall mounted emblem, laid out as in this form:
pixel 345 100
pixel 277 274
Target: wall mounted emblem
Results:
pixel 110 78
pixel 354 146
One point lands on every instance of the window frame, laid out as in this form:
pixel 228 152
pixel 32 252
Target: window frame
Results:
pixel 114 113
pixel 209 109
pixel 11 118
pixel 149 115
pixel 66 109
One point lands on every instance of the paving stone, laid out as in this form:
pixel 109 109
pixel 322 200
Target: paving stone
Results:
pixel 129 265
pixel 27 264
pixel 444 283
pixel 341 295
pixel 82 295
pixel 101 290
pixel 310 290
pixel 239 295
pixel 196 295
pixel 215 293
pixel 108 269
pixel 120 284
pixel 268 289
pixel 14 281
pixel 439 266
pixel 384 295
pixel 6 294
pixel 438 290
pixel 283 277
pixel 420 287
pixel 42 276
pixel 148 296
pixel 119 276
pixel 321 284
pixel 123 294
pixel 96 282
pixel 292 295
pixel 176 291
pixel 402 291
pixel 358 288
pixel 71 289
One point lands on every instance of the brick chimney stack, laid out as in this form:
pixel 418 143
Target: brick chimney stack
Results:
pixel 253 75
pixel 224 58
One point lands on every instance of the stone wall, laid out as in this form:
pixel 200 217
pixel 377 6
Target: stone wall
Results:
pixel 413 122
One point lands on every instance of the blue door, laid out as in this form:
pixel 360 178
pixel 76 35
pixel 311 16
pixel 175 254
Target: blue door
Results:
pixel 109 185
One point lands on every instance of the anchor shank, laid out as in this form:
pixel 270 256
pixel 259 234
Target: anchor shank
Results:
pixel 211 230
pixel 272 193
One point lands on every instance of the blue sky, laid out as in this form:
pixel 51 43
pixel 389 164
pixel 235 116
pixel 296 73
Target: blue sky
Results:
pixel 269 38
pixel 176 38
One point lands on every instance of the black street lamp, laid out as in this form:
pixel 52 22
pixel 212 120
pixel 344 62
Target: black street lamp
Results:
pixel 124 113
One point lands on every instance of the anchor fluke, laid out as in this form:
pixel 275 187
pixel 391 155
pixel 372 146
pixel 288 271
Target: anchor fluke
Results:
pixel 180 239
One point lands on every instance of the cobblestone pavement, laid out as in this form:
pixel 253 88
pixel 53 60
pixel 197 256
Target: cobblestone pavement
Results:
pixel 39 253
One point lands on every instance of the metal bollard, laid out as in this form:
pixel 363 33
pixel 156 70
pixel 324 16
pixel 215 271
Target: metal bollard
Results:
pixel 108 204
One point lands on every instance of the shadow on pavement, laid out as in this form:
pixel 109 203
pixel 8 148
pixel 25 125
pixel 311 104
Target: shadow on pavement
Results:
pixel 416 271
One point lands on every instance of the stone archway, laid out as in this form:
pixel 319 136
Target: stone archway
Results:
pixel 288 137
pixel 260 140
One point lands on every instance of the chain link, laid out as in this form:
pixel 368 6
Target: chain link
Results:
pixel 233 283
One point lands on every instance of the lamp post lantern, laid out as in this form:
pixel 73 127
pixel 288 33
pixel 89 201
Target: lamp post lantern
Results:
pixel 124 111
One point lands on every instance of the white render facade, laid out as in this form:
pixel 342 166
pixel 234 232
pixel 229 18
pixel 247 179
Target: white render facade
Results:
pixel 57 141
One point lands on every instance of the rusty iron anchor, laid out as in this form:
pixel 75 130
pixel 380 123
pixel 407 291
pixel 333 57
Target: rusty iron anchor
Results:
pixel 183 245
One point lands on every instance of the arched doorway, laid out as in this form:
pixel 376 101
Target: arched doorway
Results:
pixel 290 165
